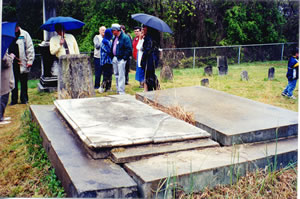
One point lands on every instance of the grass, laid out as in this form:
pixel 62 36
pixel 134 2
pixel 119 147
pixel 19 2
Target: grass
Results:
pixel 26 171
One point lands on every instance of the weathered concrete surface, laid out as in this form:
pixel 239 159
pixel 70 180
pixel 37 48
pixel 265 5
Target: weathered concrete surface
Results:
pixel 75 77
pixel 115 121
pixel 80 175
pixel 230 119
pixel 197 169
pixel 130 154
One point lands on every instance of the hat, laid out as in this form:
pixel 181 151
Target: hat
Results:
pixel 108 34
pixel 115 26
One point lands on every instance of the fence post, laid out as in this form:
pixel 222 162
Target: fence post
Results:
pixel 194 58
pixel 282 49
pixel 239 58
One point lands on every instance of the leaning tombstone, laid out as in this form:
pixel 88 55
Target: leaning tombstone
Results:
pixel 208 70
pixel 244 75
pixel 166 73
pixel 222 65
pixel 75 78
pixel 205 82
pixel 271 73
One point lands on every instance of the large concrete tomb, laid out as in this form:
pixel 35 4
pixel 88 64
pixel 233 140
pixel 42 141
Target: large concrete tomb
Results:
pixel 230 119
pixel 114 121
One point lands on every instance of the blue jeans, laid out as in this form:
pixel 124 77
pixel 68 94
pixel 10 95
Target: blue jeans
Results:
pixel 3 103
pixel 98 72
pixel 290 87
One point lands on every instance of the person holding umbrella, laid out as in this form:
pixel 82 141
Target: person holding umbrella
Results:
pixel 7 76
pixel 151 26
pixel 63 43
pixel 150 58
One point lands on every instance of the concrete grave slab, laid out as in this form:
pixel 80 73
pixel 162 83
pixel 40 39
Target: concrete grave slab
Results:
pixel 81 176
pixel 230 119
pixel 134 153
pixel 115 121
pixel 197 169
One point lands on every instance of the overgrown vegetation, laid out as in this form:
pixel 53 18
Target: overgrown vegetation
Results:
pixel 38 156
pixel 26 172
pixel 194 23
pixel 260 184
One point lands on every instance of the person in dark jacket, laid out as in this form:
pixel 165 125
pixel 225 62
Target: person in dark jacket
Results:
pixel 150 58
pixel 121 51
pixel 292 74
pixel 128 62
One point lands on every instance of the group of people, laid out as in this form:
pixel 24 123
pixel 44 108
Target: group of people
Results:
pixel 113 56
pixel 113 50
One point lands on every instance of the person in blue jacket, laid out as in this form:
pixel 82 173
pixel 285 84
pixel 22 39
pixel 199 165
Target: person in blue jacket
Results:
pixel 105 61
pixel 292 74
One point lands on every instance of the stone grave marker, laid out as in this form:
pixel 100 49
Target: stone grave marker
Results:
pixel 222 65
pixel 166 73
pixel 75 78
pixel 271 73
pixel 205 82
pixel 208 70
pixel 244 75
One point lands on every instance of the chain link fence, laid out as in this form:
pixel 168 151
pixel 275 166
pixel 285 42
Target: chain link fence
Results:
pixel 202 56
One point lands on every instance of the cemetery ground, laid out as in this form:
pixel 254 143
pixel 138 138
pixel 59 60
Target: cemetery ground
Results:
pixel 26 171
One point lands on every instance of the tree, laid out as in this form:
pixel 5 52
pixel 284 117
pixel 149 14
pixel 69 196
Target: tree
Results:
pixel 253 22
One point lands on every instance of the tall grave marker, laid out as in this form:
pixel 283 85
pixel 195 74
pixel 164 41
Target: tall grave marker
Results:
pixel 75 78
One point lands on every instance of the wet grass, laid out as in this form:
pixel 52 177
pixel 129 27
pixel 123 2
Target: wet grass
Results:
pixel 26 171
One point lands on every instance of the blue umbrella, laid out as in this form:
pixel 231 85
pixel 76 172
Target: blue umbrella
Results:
pixel 8 35
pixel 69 23
pixel 152 21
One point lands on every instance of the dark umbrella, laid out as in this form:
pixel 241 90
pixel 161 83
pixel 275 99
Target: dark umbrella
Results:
pixel 8 35
pixel 152 21
pixel 68 23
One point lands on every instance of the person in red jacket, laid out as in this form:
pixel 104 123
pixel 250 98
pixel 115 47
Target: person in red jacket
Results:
pixel 137 32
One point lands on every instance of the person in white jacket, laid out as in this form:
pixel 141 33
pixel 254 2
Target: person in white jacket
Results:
pixel 62 44
pixel 97 45
pixel 22 47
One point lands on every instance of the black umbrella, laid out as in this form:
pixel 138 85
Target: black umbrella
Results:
pixel 152 21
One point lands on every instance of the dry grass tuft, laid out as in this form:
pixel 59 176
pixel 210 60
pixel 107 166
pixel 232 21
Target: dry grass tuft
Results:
pixel 176 111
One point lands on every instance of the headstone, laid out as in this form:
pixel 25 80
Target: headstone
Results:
pixel 244 75
pixel 222 65
pixel 205 82
pixel 166 73
pixel 271 73
pixel 75 78
pixel 208 70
